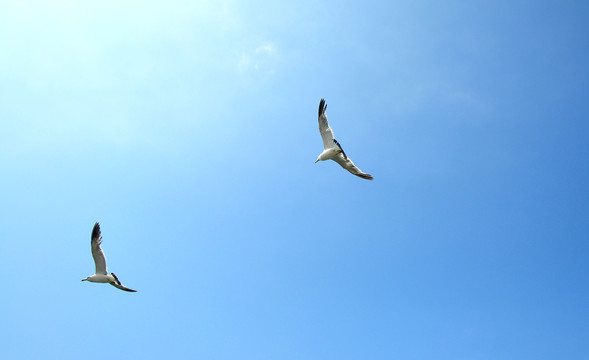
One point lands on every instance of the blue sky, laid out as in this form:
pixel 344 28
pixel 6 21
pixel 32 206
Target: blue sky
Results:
pixel 188 129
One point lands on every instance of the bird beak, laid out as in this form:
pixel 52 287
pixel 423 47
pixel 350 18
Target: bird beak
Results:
pixel 83 279
pixel 316 161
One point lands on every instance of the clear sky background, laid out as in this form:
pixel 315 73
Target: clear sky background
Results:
pixel 188 129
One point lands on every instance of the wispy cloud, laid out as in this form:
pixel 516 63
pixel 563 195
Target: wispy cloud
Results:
pixel 261 58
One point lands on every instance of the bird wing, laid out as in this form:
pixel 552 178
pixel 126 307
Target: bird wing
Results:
pixel 122 287
pixel 341 148
pixel 347 164
pixel 118 285
pixel 97 253
pixel 324 129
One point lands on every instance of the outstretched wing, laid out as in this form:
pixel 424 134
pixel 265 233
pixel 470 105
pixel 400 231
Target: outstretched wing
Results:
pixel 118 284
pixel 324 129
pixel 97 253
pixel 122 287
pixel 347 164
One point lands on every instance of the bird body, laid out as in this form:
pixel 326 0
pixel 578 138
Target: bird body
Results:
pixel 99 278
pixel 328 154
pixel 101 275
pixel 332 150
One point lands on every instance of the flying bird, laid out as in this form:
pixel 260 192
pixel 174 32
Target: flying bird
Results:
pixel 331 147
pixel 102 276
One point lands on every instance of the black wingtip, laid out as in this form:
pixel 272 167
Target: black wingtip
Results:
pixel 116 278
pixel 341 148
pixel 365 176
pixel 322 107
pixel 96 230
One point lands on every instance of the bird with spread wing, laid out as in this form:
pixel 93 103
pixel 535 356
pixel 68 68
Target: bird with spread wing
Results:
pixel 332 148
pixel 102 276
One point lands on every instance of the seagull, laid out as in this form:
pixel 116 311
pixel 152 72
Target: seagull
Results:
pixel 331 147
pixel 102 276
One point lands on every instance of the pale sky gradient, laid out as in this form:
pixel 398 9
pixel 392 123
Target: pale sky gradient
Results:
pixel 188 129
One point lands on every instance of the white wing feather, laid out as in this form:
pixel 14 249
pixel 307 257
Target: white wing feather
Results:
pixel 324 129
pixel 347 164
